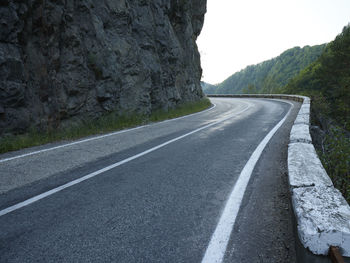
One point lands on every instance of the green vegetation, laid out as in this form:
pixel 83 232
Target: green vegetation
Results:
pixel 335 157
pixel 269 75
pixel 250 89
pixel 107 123
pixel 327 82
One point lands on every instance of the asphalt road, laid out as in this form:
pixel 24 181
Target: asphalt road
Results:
pixel 162 195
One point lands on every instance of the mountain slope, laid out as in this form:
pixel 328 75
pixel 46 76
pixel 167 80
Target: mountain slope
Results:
pixel 327 82
pixel 208 88
pixel 268 76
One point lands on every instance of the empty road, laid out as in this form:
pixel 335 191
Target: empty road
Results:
pixel 210 187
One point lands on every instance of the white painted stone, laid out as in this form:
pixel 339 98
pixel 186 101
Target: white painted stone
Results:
pixel 304 167
pixel 302 118
pixel 306 100
pixel 304 109
pixel 323 217
pixel 300 133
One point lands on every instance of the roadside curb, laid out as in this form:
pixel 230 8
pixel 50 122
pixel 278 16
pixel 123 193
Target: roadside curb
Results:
pixel 322 214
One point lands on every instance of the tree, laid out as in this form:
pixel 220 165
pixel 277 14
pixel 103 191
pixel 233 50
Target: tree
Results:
pixel 250 89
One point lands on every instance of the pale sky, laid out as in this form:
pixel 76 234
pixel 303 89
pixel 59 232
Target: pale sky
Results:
pixel 238 33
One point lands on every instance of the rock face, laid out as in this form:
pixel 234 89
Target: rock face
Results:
pixel 64 60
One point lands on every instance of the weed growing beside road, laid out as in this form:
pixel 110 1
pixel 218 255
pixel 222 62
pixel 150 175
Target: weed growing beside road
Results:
pixel 333 143
pixel 335 157
pixel 107 123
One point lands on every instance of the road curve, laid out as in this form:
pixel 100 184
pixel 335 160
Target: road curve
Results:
pixel 162 196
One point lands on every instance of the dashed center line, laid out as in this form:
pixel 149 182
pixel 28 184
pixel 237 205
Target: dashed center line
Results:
pixel 96 137
pixel 88 176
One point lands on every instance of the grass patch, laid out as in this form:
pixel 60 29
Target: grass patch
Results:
pixel 335 157
pixel 106 123
pixel 334 147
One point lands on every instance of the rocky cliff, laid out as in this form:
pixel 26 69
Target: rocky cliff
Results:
pixel 64 60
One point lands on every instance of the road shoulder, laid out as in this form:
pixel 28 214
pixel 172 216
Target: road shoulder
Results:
pixel 269 235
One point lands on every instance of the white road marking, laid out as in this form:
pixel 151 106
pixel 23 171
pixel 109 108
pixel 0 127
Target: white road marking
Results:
pixel 86 177
pixel 216 249
pixel 97 137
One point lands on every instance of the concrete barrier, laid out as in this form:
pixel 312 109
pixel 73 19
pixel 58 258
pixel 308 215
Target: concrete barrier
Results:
pixel 300 133
pixel 322 214
pixel 304 169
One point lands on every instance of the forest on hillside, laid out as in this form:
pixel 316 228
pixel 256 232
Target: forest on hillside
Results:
pixel 208 87
pixel 327 83
pixel 327 80
pixel 268 76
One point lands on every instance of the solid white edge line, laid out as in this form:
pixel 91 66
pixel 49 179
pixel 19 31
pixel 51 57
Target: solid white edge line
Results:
pixel 86 177
pixel 99 137
pixel 216 249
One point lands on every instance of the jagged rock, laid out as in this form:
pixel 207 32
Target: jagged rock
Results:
pixel 67 60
